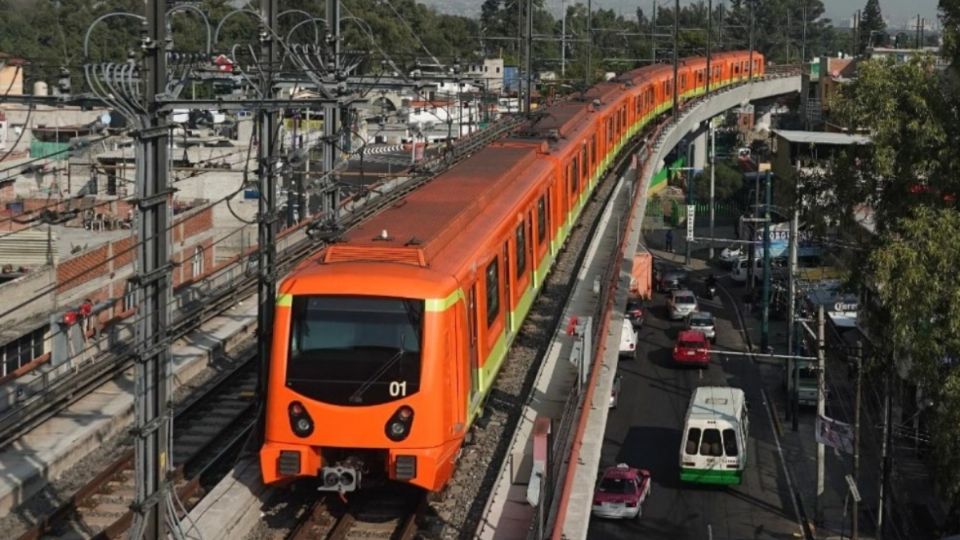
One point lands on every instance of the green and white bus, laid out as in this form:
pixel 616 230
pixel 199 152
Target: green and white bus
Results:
pixel 715 435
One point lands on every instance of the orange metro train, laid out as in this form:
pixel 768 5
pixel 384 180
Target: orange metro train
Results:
pixel 386 343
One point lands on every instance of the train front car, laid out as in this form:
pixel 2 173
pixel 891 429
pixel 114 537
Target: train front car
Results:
pixel 361 370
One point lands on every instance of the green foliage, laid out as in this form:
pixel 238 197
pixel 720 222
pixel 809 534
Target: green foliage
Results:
pixel 911 120
pixel 727 182
pixel 914 275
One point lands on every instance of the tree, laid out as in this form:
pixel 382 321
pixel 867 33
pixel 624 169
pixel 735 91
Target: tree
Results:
pixel 871 24
pixel 913 277
pixel 910 119
pixel 728 181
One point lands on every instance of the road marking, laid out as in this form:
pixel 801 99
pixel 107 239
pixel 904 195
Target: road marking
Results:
pixel 794 495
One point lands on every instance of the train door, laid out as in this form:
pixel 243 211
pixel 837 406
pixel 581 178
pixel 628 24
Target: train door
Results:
pixel 474 360
pixel 508 319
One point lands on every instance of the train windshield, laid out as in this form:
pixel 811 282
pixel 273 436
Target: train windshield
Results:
pixel 355 350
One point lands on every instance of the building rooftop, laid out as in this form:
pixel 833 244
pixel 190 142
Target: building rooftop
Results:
pixel 821 137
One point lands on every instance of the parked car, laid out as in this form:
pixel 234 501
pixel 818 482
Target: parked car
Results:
pixel 682 302
pixel 634 312
pixel 671 280
pixel 692 348
pixel 628 339
pixel 731 254
pixel 702 321
pixel 615 392
pixel 621 492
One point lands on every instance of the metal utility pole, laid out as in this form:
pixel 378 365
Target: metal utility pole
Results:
pixel 821 404
pixel 765 322
pixel 154 511
pixel 331 117
pixel 713 175
pixel 750 73
pixel 885 449
pixel 563 39
pixel 793 391
pixel 917 34
pixel 528 61
pixel 653 31
pixel 589 73
pixel 856 33
pixel 803 38
pixel 855 526
pixel 676 58
pixel 267 223
pixel 709 76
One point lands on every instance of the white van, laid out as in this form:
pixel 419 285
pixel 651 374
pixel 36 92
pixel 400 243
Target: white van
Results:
pixel 715 435
pixel 739 271
pixel 628 339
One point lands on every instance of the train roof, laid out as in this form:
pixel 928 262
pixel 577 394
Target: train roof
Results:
pixel 414 230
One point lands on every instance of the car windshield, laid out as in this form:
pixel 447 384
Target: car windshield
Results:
pixel 352 350
pixel 691 344
pixel 686 299
pixel 701 319
pixel 616 485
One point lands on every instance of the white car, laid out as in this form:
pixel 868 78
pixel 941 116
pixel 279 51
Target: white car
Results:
pixel 681 303
pixel 628 339
pixel 702 321
pixel 730 255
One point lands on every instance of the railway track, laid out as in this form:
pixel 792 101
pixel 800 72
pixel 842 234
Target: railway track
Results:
pixel 55 396
pixel 209 428
pixel 387 514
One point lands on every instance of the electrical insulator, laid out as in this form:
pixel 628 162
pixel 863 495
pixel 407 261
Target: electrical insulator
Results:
pixel 86 308
pixel 70 318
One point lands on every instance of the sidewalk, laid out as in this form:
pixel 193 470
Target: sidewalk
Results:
pixel 914 502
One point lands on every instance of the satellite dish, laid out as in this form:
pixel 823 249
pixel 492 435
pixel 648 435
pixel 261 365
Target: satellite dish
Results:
pixel 105 119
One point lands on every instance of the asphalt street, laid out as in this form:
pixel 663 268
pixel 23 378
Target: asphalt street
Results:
pixel 645 431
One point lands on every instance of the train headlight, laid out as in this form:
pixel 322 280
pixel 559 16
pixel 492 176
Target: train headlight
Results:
pixel 398 427
pixel 300 421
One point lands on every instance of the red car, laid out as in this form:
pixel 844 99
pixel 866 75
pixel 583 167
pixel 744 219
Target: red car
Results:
pixel 621 492
pixel 692 348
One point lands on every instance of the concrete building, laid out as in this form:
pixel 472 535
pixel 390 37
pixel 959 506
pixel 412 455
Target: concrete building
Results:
pixel 11 75
pixel 491 72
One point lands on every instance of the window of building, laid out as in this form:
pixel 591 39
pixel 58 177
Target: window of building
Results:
pixel 22 350
pixel 129 297
pixel 521 238
pixel 198 261
pixel 493 291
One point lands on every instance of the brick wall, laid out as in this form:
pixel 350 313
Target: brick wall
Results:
pixel 6 190
pixel 193 224
pixel 83 268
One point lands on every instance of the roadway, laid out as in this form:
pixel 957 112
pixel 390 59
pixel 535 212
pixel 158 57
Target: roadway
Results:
pixel 645 431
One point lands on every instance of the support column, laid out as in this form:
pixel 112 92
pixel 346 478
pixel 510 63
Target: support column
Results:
pixel 153 460
pixel 267 232
pixel 331 122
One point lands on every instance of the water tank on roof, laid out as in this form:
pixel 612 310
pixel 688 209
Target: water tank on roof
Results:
pixel 40 88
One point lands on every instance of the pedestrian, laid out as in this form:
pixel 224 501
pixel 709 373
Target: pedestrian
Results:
pixel 669 239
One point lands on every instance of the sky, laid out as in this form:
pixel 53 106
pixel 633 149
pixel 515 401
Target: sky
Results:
pixel 896 12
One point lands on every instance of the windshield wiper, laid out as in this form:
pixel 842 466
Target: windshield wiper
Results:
pixel 355 397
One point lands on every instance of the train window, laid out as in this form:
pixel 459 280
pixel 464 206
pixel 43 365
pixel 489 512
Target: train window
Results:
pixel 493 291
pixel 355 350
pixel 574 176
pixel 521 250
pixel 593 151
pixel 583 161
pixel 541 219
